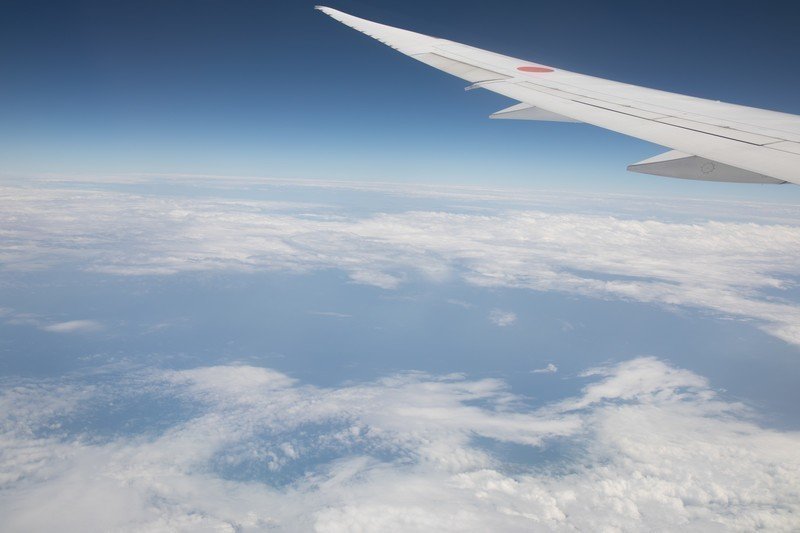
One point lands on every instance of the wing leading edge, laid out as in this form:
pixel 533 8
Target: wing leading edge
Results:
pixel 710 140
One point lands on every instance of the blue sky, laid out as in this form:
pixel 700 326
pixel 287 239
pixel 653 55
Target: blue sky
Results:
pixel 277 89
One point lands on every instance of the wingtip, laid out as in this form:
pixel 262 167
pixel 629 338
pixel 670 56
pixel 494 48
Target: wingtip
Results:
pixel 325 9
pixel 333 13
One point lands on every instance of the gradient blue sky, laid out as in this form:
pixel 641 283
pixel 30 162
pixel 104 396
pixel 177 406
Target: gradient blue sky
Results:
pixel 276 89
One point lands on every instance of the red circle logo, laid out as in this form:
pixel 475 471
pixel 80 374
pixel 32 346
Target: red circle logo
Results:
pixel 535 69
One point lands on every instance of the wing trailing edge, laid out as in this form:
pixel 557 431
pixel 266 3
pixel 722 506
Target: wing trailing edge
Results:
pixel 675 164
pixel 525 111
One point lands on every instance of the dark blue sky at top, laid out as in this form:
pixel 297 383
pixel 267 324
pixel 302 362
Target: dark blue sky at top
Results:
pixel 277 89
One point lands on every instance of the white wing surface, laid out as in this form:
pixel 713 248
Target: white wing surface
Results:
pixel 710 140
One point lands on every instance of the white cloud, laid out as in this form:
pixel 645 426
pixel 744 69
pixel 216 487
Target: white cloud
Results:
pixel 732 269
pixel 652 448
pixel 73 326
pixel 375 278
pixel 501 318
pixel 549 369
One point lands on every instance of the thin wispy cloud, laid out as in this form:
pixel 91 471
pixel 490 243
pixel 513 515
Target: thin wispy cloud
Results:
pixel 12 317
pixel 460 303
pixel 501 318
pixel 653 448
pixel 331 314
pixel 549 369
pixel 73 326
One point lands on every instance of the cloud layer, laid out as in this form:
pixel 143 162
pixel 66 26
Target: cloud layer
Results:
pixel 733 269
pixel 646 446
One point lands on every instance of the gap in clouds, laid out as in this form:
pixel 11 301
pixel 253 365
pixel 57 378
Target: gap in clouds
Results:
pixel 262 319
pixel 558 457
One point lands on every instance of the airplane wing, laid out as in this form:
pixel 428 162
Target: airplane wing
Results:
pixel 710 140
